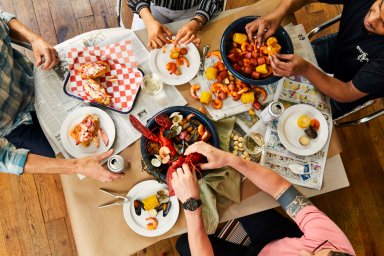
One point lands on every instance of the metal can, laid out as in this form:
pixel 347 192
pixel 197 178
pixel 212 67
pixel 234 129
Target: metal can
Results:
pixel 116 164
pixel 271 112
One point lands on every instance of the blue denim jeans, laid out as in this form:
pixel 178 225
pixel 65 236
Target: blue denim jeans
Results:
pixel 31 137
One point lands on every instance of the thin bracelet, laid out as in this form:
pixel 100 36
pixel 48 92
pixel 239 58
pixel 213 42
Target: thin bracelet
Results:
pixel 198 22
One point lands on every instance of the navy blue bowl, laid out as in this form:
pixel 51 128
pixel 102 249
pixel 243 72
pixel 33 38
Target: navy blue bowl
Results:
pixel 214 139
pixel 238 26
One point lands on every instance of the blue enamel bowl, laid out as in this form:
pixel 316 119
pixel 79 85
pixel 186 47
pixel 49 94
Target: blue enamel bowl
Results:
pixel 238 26
pixel 185 111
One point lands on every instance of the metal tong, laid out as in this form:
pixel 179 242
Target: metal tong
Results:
pixel 125 199
pixel 202 63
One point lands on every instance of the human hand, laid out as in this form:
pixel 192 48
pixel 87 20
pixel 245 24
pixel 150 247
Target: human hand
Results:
pixel 262 28
pixel 188 34
pixel 157 34
pixel 41 48
pixel 184 183
pixel 91 167
pixel 216 158
pixel 288 65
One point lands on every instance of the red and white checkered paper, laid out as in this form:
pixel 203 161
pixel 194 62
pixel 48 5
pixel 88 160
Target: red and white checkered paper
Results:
pixel 121 60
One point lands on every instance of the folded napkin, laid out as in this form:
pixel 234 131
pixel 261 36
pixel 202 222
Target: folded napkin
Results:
pixel 220 187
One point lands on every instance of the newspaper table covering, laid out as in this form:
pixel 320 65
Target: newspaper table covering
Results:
pixel 126 81
pixel 301 46
pixel 53 105
pixel 275 156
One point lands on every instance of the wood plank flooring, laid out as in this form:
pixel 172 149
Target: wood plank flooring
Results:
pixel 33 216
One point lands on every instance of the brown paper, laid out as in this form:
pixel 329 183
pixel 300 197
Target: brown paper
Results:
pixel 104 231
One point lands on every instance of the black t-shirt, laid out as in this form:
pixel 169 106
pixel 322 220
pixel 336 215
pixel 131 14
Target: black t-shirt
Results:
pixel 358 54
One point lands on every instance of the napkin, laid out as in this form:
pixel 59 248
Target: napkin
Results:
pixel 220 187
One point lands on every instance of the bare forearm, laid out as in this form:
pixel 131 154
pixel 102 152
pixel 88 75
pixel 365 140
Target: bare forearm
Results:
pixel 20 32
pixel 146 16
pixel 199 243
pixel 289 6
pixel 264 178
pixel 332 87
pixel 41 164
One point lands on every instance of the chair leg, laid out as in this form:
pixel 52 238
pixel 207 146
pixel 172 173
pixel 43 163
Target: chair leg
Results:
pixel 361 120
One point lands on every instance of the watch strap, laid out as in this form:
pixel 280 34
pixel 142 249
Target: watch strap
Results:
pixel 201 24
pixel 191 204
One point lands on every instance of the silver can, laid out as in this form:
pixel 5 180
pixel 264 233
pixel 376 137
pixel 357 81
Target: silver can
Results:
pixel 116 164
pixel 271 112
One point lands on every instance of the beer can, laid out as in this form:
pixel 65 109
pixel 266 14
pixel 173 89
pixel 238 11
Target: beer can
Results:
pixel 116 164
pixel 271 112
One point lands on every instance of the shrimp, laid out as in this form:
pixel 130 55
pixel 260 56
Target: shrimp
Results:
pixel 193 90
pixel 217 103
pixel 151 223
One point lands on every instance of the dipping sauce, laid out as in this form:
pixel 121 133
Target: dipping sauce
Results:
pixel 152 84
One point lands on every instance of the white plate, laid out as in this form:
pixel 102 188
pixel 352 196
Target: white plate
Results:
pixel 137 223
pixel 289 132
pixel 76 117
pixel 158 61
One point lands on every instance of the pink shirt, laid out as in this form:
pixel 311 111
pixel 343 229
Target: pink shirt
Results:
pixel 317 228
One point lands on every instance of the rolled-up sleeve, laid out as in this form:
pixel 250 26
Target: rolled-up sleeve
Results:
pixel 137 5
pixel 12 160
pixel 6 17
pixel 209 8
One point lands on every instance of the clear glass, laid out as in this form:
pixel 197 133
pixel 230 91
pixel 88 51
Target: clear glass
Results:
pixel 152 84
pixel 253 143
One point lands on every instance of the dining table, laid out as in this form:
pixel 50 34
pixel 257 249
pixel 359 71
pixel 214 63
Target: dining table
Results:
pixel 105 231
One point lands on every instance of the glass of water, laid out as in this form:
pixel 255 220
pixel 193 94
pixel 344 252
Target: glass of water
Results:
pixel 152 84
pixel 253 143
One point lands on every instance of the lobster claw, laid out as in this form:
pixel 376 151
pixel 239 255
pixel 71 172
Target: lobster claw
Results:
pixel 142 129
pixel 163 120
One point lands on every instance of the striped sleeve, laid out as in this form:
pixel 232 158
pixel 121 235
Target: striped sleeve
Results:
pixel 209 8
pixel 12 160
pixel 137 5
pixel 6 16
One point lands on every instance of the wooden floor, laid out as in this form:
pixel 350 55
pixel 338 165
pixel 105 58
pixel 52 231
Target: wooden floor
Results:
pixel 33 217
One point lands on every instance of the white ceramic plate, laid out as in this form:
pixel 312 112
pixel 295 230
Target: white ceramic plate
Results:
pixel 158 61
pixel 76 117
pixel 137 223
pixel 289 132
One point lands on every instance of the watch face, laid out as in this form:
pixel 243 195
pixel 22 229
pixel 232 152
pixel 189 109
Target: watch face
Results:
pixel 191 204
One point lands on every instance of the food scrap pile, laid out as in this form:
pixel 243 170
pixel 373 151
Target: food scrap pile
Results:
pixel 311 127
pixel 152 205
pixel 179 58
pixel 93 88
pixel 88 130
pixel 227 86
pixel 250 61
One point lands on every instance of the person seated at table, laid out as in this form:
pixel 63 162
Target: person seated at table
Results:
pixel 23 145
pixel 157 13
pixel 355 55
pixel 270 233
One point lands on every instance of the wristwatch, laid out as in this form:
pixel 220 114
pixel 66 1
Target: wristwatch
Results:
pixel 191 204
pixel 201 24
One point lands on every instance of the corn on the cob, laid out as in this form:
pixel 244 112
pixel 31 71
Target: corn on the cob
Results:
pixel 247 97
pixel 150 202
pixel 239 38
pixel 211 73
pixel 205 97
pixel 262 69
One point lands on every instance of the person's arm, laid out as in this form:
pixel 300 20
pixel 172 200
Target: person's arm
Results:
pixel 287 65
pixel 40 47
pixel 18 161
pixel 206 10
pixel 266 26
pixel 184 182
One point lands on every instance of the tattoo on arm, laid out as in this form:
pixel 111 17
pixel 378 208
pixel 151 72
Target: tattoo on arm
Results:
pixel 292 201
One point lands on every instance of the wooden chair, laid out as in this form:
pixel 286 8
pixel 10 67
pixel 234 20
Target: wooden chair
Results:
pixel 337 121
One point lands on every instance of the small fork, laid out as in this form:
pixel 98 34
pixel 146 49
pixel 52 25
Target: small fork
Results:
pixel 202 63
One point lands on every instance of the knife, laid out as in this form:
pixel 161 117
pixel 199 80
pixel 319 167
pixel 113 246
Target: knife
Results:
pixel 202 63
